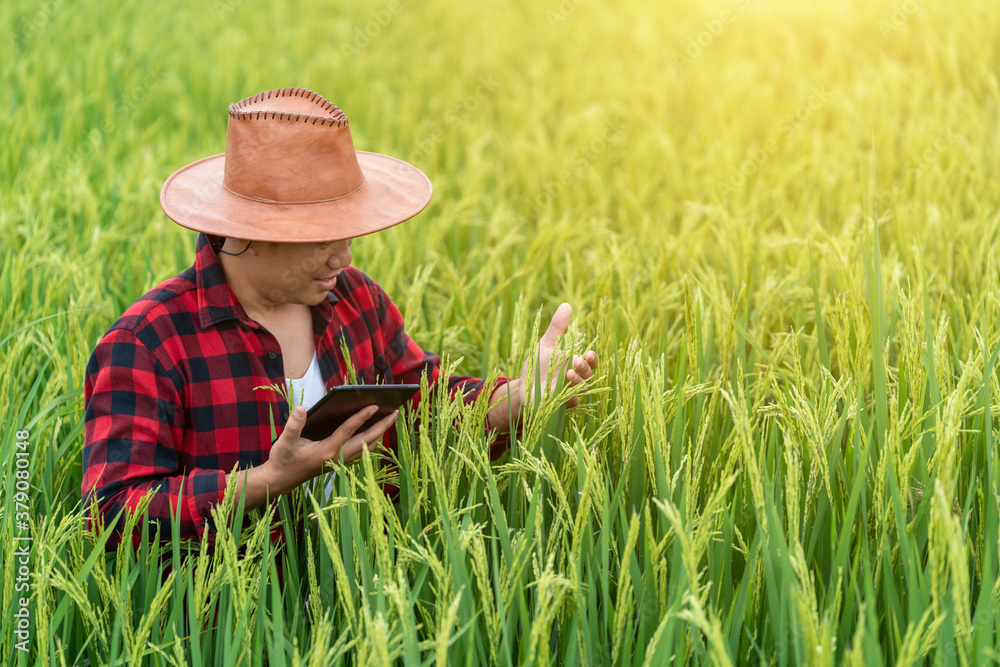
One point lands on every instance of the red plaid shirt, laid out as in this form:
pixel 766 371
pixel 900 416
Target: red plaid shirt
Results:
pixel 170 390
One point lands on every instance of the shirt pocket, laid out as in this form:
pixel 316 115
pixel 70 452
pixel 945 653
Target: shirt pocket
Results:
pixel 383 374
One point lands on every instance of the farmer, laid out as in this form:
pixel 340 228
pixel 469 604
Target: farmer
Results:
pixel 182 390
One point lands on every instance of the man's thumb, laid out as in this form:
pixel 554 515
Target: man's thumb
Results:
pixel 558 325
pixel 296 420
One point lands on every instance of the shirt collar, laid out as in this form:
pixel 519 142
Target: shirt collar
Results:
pixel 216 300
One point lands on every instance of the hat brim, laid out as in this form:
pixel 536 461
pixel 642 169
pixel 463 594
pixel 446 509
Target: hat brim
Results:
pixel 393 191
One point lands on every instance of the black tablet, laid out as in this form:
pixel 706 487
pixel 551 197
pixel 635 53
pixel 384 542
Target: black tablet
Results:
pixel 341 403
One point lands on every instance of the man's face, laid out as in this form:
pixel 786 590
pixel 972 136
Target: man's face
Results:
pixel 299 272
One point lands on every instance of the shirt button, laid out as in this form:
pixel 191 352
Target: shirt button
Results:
pixel 272 355
pixel 284 414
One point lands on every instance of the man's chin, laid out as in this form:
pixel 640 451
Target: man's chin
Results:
pixel 319 295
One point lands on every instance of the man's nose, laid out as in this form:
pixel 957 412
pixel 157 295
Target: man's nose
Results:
pixel 340 258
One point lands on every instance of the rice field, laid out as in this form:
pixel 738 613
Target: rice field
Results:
pixel 776 222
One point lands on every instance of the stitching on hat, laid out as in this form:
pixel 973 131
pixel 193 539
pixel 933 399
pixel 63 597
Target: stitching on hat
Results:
pixel 339 118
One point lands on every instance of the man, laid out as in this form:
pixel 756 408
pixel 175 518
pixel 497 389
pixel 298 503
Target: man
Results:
pixel 184 388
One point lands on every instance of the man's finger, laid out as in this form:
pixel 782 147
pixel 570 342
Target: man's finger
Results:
pixel 352 450
pixel 558 325
pixel 378 429
pixel 582 368
pixel 349 427
pixel 352 447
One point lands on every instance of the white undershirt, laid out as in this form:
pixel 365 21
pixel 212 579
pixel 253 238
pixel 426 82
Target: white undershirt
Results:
pixel 309 388
pixel 306 391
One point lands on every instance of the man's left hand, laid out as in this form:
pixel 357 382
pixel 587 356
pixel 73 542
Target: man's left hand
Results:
pixel 520 390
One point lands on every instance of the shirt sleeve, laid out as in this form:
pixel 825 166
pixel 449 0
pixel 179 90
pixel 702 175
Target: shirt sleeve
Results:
pixel 133 431
pixel 408 362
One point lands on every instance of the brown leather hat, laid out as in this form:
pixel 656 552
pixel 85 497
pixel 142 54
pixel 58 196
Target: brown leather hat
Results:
pixel 290 173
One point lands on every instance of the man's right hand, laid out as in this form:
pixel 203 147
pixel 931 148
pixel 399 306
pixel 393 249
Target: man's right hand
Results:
pixel 294 459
